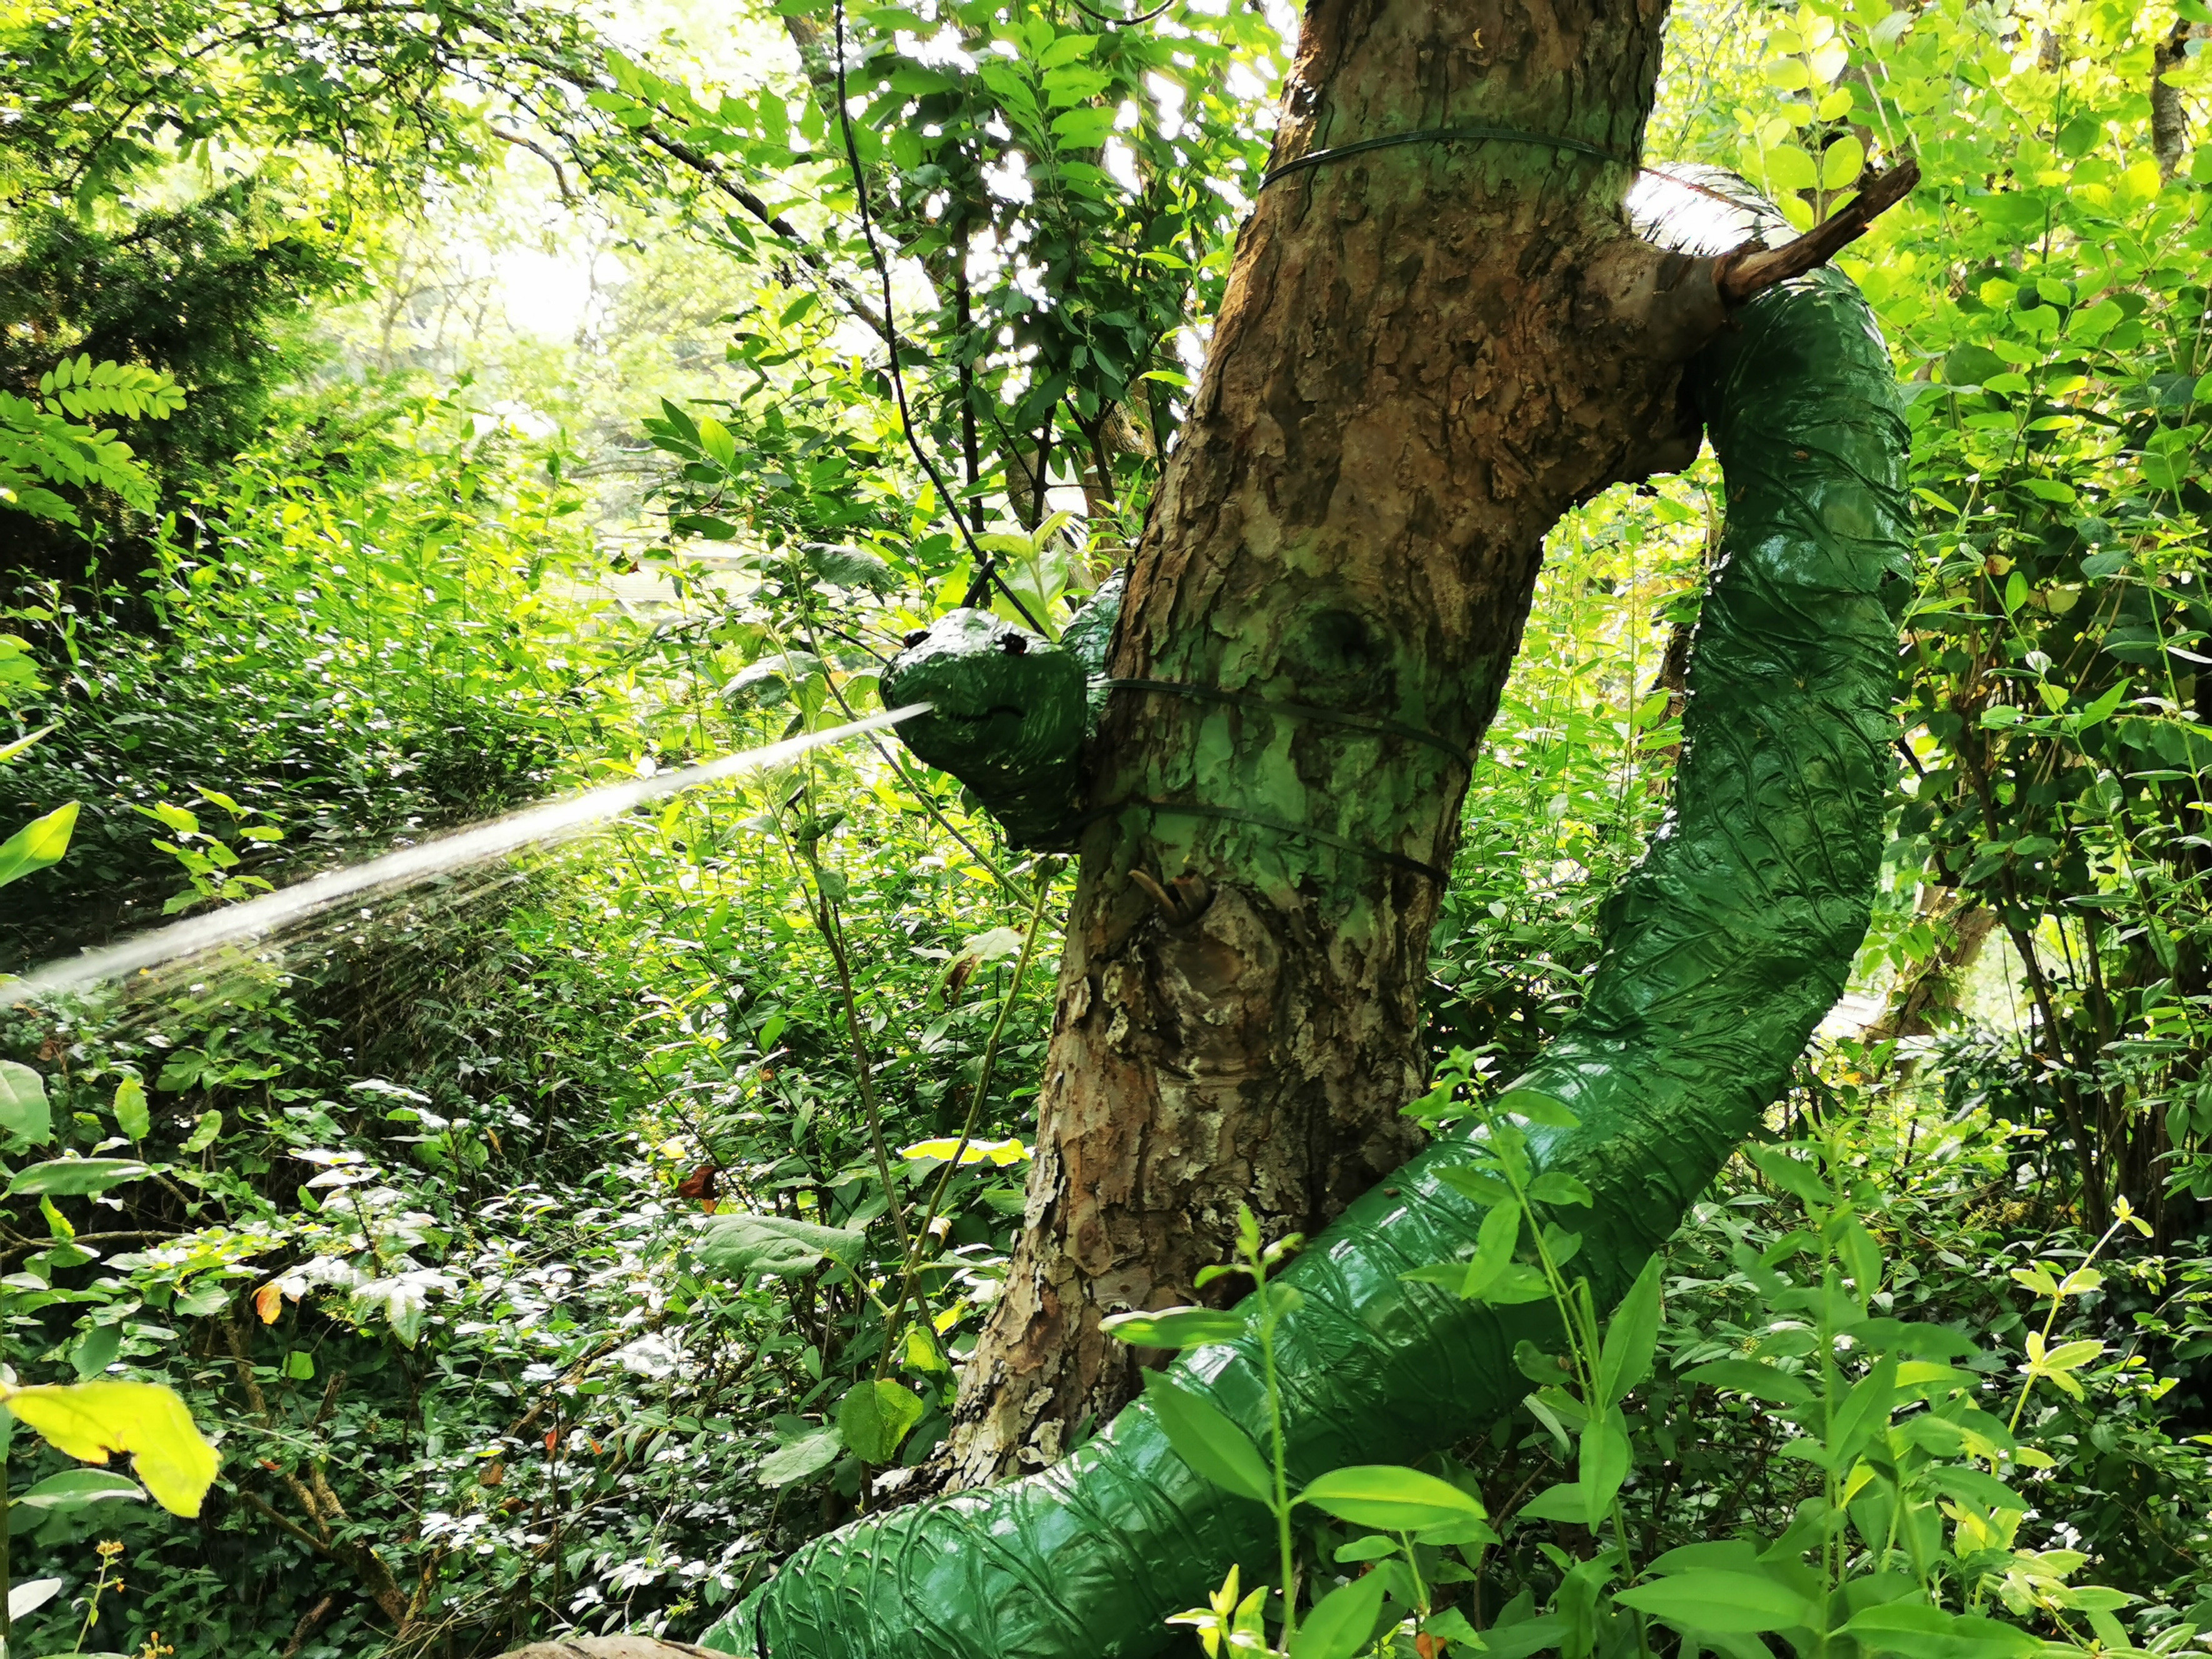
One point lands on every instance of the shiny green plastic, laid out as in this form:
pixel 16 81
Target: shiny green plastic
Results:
pixel 1724 949
pixel 1010 712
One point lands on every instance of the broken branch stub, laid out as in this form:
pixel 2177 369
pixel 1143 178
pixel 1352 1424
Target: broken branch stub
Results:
pixel 1749 271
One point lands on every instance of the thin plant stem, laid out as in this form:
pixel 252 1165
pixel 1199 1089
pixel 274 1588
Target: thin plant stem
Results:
pixel 864 1071
pixel 7 1580
pixel 974 1110
pixel 1282 1505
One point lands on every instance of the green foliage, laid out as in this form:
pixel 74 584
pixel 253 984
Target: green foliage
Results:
pixel 1764 1440
pixel 2044 294
pixel 205 299
pixel 45 443
pixel 411 1214
pixel 89 1420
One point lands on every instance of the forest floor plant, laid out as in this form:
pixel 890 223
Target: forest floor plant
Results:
pixel 1919 1530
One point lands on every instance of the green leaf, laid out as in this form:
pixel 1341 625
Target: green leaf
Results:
pixel 807 1456
pixel 1376 1547
pixel 1517 1283
pixel 1842 163
pixel 1479 1184
pixel 1750 1376
pixel 1560 1245
pixel 854 567
pixel 1084 128
pixel 1632 1337
pixel 1340 1624
pixel 181 1070
pixel 1709 1598
pixel 1538 1108
pixel 206 1128
pixel 76 1176
pixel 1971 365
pixel 10 751
pixel 24 1113
pixel 1923 1632
pixel 39 843
pixel 1562 1501
pixel 874 1417
pixel 1066 49
pixel 1604 1461
pixel 716 440
pixel 131 1114
pixel 1865 1409
pixel 1394 1498
pixel 1174 1327
pixel 1527 1636
pixel 95 1351
pixel 1792 1176
pixel 1862 1257
pixel 404 1300
pixel 1886 1335
pixel 74 1488
pixel 1557 1187
pixel 1206 1440
pixel 1977 1487
pixel 2068 1356
pixel 1493 1250
pixel 920 1352
pixel 1451 1625
pixel 89 1420
pixel 733 1246
pixel 1789 168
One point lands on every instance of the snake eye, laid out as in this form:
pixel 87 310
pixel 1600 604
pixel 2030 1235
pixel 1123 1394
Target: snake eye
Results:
pixel 1014 645
pixel 915 638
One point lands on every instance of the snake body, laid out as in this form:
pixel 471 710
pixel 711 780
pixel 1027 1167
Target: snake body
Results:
pixel 1725 946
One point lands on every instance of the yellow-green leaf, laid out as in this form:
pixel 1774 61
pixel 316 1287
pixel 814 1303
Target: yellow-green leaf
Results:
pixel 10 751
pixel 1789 168
pixel 2068 1355
pixel 39 843
pixel 131 1114
pixel 89 1420
pixel 1389 1497
pixel 1842 162
pixel 24 1112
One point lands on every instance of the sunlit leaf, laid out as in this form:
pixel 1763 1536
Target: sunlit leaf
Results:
pixel 24 1113
pixel 1386 1495
pixel 89 1421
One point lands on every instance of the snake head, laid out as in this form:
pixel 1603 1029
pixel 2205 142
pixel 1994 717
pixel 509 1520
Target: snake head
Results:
pixel 1008 715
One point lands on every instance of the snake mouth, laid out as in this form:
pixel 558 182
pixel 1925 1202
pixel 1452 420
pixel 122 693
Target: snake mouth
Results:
pixel 990 713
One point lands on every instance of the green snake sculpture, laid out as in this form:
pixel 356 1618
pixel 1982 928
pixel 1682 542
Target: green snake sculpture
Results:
pixel 1724 948
pixel 1011 712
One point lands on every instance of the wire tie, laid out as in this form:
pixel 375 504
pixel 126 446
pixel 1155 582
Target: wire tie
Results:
pixel 1301 710
pixel 1442 135
pixel 1227 815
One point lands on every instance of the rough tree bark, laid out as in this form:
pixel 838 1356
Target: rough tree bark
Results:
pixel 1426 353
pixel 2169 121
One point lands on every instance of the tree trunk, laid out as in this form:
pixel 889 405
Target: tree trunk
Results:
pixel 1426 353
pixel 1931 989
pixel 2169 122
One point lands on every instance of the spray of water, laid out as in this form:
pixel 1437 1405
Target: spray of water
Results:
pixel 535 826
